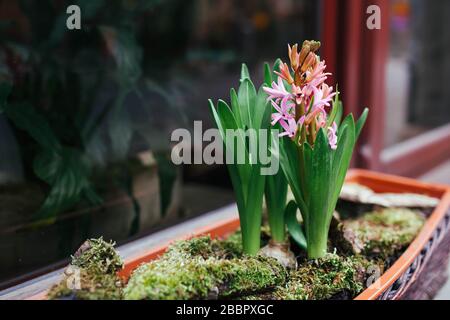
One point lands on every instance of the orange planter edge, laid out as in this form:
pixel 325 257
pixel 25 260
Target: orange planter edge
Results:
pixel 377 181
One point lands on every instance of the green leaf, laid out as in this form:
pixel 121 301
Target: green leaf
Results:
pixel 248 183
pixel 63 168
pixel 246 98
pixel 235 107
pixel 238 173
pixel 276 195
pixel 249 109
pixel 26 118
pixel 342 156
pixel 276 65
pixel 255 189
pixel 276 189
pixel 339 114
pixel 294 227
pixel 319 185
pixel 267 75
pixel 229 122
pixel 68 176
pixel 267 116
pixel 360 123
pixel 305 160
pixel 261 111
pixel 244 73
pixel 216 118
pixel 251 215
pixel 225 119
pixel 336 114
pixel 289 161
pixel 348 121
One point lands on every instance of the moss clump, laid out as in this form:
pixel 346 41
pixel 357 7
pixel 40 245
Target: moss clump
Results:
pixel 322 279
pixel 92 287
pixel 386 233
pixel 206 247
pixel 92 274
pixel 98 256
pixel 187 272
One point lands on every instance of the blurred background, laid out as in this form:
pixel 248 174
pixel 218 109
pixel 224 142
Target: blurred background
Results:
pixel 85 132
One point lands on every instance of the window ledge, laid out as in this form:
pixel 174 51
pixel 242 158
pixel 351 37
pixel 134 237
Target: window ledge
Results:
pixel 40 284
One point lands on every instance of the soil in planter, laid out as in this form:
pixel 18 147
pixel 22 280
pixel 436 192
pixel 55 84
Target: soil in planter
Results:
pixel 201 268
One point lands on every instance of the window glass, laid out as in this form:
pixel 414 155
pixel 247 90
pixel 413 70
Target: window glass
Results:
pixel 418 69
pixel 85 149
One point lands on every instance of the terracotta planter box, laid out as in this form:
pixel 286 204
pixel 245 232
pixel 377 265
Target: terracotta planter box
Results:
pixel 408 277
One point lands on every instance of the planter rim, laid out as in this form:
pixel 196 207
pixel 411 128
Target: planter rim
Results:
pixel 388 278
pixel 365 177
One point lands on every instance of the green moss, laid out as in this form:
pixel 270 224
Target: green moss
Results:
pixel 187 272
pixel 386 233
pixel 250 274
pixel 322 279
pixel 233 243
pixel 98 256
pixel 230 247
pixel 92 274
pixel 201 268
pixel 92 287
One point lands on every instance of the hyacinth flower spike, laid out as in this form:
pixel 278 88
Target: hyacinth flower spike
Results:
pixel 316 147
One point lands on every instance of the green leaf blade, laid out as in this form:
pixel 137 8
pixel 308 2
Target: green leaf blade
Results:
pixel 294 227
pixel 360 123
pixel 246 98
pixel 267 75
pixel 245 74
pixel 319 185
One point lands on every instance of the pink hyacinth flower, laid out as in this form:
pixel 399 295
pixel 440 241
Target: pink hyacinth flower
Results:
pixel 316 76
pixel 323 97
pixel 302 94
pixel 332 136
pixel 289 126
pixel 284 110
pixel 277 91
pixel 285 73
pixel 285 116
pixel 321 120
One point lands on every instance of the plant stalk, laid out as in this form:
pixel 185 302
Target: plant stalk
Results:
pixel 276 194
pixel 251 231
pixel 276 221
pixel 317 244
